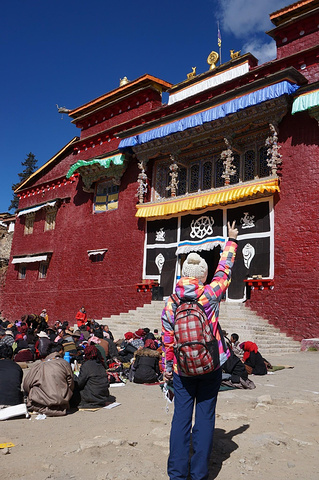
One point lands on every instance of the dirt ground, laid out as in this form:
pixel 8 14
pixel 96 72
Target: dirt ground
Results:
pixel 271 432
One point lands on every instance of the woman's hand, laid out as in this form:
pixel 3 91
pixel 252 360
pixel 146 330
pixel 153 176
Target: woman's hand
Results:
pixel 232 230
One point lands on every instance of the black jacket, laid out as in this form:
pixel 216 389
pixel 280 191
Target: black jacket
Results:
pixel 93 384
pixel 10 383
pixel 146 366
pixel 236 368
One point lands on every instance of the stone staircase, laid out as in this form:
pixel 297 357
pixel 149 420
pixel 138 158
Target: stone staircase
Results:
pixel 234 318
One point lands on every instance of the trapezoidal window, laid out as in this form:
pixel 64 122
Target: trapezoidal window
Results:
pixel 50 217
pixel 28 223
pixel 264 169
pixel 207 176
pixel 22 272
pixel 249 165
pixel 106 197
pixel 182 181
pixel 194 178
pixel 43 270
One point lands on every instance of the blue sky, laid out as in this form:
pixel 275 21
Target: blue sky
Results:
pixel 68 52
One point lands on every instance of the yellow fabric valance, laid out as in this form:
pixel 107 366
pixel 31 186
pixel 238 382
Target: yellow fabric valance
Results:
pixel 193 202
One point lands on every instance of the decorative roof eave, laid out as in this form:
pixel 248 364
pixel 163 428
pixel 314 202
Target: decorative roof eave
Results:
pixel 289 74
pixel 60 153
pixel 110 104
pixel 293 10
pixel 213 113
pixel 220 196
pixel 308 101
pixel 144 80
pixel 258 116
pixel 92 170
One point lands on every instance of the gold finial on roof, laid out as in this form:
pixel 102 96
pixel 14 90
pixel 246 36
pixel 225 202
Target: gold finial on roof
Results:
pixel 192 74
pixel 234 54
pixel 212 59
pixel 123 81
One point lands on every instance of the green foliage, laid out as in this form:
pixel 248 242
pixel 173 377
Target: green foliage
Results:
pixel 30 164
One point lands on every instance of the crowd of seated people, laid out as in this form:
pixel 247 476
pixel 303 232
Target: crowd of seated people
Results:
pixel 69 367
pixel 83 362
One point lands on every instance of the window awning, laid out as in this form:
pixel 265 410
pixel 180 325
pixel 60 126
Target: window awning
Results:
pixel 97 252
pixel 305 102
pixel 36 208
pixel 30 259
pixel 219 111
pixel 102 162
pixel 223 195
pixel 207 244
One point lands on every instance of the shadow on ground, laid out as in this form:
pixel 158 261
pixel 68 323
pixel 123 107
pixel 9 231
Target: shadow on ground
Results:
pixel 223 447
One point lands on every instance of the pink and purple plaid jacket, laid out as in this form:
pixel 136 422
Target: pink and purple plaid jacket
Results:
pixel 209 296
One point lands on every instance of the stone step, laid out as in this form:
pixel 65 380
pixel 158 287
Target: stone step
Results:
pixel 234 317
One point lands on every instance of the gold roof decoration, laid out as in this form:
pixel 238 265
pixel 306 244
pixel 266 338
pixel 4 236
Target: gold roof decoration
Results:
pixel 192 74
pixel 124 81
pixel 212 59
pixel 234 54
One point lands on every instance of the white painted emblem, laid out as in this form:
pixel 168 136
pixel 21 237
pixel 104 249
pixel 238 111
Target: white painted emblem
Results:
pixel 159 262
pixel 247 221
pixel 160 235
pixel 201 227
pixel 248 252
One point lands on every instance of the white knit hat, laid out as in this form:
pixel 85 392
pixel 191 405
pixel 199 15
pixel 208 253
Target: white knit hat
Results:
pixel 195 266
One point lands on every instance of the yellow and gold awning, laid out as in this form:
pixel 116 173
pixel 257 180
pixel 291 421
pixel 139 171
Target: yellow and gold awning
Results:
pixel 223 195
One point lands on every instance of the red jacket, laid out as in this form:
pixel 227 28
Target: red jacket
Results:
pixel 81 318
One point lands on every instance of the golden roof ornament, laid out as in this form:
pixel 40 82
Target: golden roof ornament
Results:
pixel 123 81
pixel 212 59
pixel 192 74
pixel 234 54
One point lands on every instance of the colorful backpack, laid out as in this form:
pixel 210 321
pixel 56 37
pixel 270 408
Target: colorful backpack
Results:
pixel 196 348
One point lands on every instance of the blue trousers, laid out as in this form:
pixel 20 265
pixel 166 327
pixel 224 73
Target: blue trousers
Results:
pixel 201 390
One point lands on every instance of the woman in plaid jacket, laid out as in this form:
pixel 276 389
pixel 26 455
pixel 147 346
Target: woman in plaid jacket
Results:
pixel 202 389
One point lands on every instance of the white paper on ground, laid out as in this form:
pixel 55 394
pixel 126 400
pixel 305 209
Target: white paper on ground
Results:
pixel 14 411
pixel 112 405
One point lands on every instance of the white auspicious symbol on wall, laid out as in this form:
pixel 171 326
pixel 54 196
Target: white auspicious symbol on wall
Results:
pixel 247 221
pixel 248 254
pixel 160 235
pixel 201 227
pixel 159 262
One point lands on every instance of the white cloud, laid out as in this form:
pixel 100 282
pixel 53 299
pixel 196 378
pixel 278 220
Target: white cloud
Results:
pixel 247 17
pixel 263 51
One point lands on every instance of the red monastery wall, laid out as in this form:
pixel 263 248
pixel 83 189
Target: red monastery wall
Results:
pixel 77 281
pixel 296 293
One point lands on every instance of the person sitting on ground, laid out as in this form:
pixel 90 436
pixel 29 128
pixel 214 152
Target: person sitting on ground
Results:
pixel 7 338
pixel 81 318
pixel 68 342
pixel 145 368
pixel 107 334
pixel 254 363
pixel 235 373
pixel 42 344
pixel 234 338
pixel 92 380
pixel 22 351
pixel 49 384
pixel 127 349
pixel 10 378
pixel 138 340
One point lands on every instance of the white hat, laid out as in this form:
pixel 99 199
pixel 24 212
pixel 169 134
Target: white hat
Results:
pixel 195 266
pixel 9 332
pixel 42 335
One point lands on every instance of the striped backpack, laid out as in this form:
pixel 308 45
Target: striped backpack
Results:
pixel 196 348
